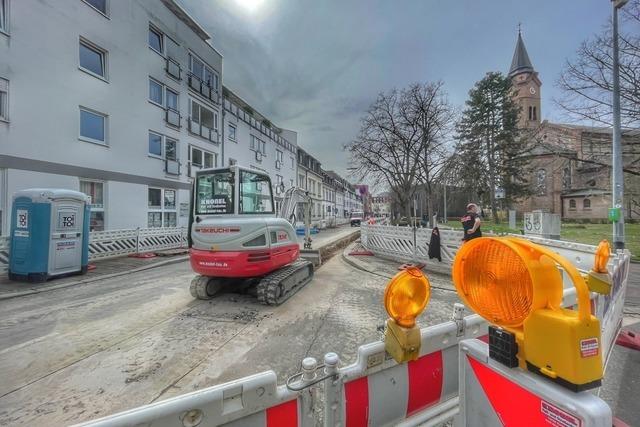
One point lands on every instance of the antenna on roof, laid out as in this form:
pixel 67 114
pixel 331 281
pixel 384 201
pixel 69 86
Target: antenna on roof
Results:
pixel 519 28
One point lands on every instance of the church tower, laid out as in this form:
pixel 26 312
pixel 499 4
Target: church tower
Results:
pixel 527 85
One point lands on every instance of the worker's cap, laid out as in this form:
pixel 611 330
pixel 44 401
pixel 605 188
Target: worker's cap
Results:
pixel 472 206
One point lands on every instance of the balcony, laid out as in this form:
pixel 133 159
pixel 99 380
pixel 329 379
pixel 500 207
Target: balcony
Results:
pixel 203 88
pixel 172 117
pixel 203 131
pixel 172 167
pixel 193 168
pixel 173 68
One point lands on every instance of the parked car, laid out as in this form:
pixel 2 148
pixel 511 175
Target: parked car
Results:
pixel 356 218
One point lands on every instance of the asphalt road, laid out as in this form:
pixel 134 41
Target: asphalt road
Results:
pixel 86 351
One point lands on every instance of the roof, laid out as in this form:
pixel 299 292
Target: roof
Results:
pixel 520 62
pixel 587 193
pixel 182 14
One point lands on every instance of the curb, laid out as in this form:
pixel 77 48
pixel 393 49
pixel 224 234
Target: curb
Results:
pixel 10 295
pixel 353 262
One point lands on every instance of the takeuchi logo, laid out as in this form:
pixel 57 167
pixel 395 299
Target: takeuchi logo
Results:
pixel 217 230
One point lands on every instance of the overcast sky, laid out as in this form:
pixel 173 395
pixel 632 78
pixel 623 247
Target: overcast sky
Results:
pixel 314 66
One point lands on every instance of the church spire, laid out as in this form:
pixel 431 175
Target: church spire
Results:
pixel 520 62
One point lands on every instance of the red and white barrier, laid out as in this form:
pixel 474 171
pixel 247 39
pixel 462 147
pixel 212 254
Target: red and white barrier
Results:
pixel 378 391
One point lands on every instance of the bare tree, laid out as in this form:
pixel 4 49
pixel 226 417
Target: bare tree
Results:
pixel 428 107
pixel 586 80
pixel 399 140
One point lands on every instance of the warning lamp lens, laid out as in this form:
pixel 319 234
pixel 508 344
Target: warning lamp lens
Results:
pixel 406 296
pixel 603 252
pixel 493 279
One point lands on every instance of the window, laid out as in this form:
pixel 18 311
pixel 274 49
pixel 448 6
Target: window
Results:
pixel 293 162
pixel 93 59
pixel 99 5
pixel 163 146
pixel 156 92
pixel 203 158
pixel 586 204
pixel 155 144
pixel 95 190
pixel 156 40
pixel 202 71
pixel 255 193
pixel 92 126
pixel 232 132
pixel 572 204
pixel 535 115
pixel 530 113
pixel 215 193
pixel 541 182
pixel 279 156
pixel 162 208
pixel 4 22
pixel 171 99
pixel 566 178
pixel 204 116
pixel 4 99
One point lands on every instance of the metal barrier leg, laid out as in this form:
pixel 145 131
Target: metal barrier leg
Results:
pixel 332 391
pixel 307 415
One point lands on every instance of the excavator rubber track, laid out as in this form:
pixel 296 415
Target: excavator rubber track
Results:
pixel 279 286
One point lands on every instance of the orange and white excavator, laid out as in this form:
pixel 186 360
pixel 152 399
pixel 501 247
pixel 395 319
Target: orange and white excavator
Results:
pixel 236 237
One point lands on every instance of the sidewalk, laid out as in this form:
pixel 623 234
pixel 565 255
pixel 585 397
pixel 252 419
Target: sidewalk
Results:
pixel 104 269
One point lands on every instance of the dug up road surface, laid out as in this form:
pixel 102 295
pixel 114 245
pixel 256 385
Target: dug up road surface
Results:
pixel 86 351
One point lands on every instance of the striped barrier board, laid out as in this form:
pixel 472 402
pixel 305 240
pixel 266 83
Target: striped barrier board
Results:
pixel 378 391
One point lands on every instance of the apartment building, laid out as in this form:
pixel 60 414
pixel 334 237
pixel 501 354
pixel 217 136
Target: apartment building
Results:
pixel 310 178
pixel 252 140
pixel 118 99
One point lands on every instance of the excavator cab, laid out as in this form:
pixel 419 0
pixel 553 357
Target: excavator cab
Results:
pixel 235 235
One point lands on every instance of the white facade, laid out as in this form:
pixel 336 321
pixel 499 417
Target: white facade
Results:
pixel 250 142
pixel 310 178
pixel 90 97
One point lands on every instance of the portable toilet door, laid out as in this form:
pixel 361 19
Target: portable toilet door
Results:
pixel 69 230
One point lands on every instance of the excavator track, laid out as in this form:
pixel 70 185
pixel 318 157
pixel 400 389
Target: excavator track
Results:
pixel 279 286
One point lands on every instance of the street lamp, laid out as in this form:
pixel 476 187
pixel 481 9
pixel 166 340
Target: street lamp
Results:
pixel 616 161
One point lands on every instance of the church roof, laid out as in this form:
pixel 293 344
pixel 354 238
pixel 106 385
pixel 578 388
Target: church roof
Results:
pixel 520 62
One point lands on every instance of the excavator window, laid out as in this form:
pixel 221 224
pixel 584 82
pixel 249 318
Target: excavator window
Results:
pixel 255 193
pixel 214 193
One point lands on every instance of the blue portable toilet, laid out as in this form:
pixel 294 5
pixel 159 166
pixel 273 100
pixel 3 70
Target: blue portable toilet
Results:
pixel 49 234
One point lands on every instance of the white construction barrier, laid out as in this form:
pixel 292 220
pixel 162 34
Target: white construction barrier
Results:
pixel 113 243
pixel 254 401
pixel 397 243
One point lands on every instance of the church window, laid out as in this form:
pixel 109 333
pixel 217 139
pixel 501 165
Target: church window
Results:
pixel 566 178
pixel 535 114
pixel 586 204
pixel 541 182
pixel 530 113
pixel 572 204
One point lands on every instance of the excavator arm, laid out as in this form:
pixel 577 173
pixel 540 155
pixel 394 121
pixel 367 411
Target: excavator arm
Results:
pixel 293 198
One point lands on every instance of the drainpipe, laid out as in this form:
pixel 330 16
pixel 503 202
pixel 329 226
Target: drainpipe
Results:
pixel 224 112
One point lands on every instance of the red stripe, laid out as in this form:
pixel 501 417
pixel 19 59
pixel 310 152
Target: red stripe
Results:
pixel 425 382
pixel 513 404
pixel 356 394
pixel 284 414
pixel 484 338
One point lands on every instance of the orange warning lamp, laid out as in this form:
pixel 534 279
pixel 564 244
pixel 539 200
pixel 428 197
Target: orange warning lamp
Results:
pixel 599 279
pixel 517 286
pixel 405 297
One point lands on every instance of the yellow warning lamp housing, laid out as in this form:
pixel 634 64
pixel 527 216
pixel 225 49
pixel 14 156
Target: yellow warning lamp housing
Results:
pixel 516 285
pixel 405 297
pixel 599 279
